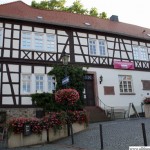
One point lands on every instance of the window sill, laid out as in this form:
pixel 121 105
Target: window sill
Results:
pixel 127 94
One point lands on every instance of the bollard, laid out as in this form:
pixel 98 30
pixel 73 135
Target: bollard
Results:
pixel 101 135
pixel 144 134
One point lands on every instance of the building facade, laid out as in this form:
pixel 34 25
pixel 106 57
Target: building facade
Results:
pixel 115 55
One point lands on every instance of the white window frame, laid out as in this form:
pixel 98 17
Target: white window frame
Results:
pixel 52 46
pixel 1 37
pixel 104 47
pixel 45 42
pixel 125 84
pixel 39 42
pixel 140 53
pixel 38 90
pixel 22 38
pixel 98 47
pixel 51 84
pixel 26 81
pixel 91 47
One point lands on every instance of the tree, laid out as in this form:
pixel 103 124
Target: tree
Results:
pixel 76 75
pixel 93 12
pixel 103 15
pixel 52 4
pixel 76 7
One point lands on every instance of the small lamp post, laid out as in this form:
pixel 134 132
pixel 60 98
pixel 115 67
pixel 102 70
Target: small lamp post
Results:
pixel 65 59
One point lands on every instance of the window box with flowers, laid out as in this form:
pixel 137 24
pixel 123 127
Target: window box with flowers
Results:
pixel 146 102
pixel 16 136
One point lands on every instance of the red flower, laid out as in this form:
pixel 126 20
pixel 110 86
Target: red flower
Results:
pixel 67 96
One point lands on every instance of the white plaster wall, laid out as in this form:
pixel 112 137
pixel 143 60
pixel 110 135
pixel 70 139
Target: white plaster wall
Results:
pixel 6 53
pixel 110 78
pixel 7 101
pixel 38 29
pixel 61 32
pixel 16 34
pixel 7 25
pixel 7 33
pixel 16 26
pixel 62 39
pixel 26 101
pixel 7 43
pixel 28 28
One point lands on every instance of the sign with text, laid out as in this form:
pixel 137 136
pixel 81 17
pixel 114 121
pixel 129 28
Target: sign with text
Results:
pixel 123 65
pixel 65 80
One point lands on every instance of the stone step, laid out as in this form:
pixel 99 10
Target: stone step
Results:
pixel 96 114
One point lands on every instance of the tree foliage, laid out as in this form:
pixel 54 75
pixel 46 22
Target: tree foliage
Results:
pixel 76 7
pixel 76 76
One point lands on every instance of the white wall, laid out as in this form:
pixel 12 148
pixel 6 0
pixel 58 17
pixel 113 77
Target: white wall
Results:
pixel 110 78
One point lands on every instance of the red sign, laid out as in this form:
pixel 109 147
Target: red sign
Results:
pixel 123 65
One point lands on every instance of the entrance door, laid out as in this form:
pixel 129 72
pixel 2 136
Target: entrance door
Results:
pixel 89 99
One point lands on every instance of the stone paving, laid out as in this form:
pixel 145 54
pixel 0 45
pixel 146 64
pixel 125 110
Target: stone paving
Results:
pixel 117 135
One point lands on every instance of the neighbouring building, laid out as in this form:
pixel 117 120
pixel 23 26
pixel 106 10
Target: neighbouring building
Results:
pixel 115 55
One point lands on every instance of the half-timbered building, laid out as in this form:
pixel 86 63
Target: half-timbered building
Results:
pixel 115 55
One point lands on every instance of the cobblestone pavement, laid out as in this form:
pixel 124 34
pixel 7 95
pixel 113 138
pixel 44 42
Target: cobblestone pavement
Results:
pixel 117 135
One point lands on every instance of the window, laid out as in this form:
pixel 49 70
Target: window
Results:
pixel 102 48
pixel 140 53
pixel 1 37
pixel 26 40
pixel 51 84
pixel 97 47
pixel 92 47
pixel 125 84
pixel 50 46
pixel 38 41
pixel 26 83
pixel 39 83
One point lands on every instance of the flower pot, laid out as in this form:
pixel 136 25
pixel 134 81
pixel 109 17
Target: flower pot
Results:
pixel 18 140
pixel 58 134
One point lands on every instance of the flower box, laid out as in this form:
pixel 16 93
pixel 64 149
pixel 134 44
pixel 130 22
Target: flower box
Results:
pixel 55 135
pixel 18 140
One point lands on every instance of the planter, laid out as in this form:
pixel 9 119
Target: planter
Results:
pixel 64 132
pixel 147 110
pixel 77 127
pixel 18 140
pixel 58 134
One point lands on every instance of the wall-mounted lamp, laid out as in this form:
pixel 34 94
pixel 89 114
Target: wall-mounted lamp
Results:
pixel 100 79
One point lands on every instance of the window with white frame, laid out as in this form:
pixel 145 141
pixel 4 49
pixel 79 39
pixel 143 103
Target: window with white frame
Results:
pixel 97 47
pixel 26 83
pixel 92 46
pixel 102 48
pixel 140 53
pixel 26 39
pixel 50 46
pixel 125 84
pixel 1 37
pixel 51 83
pixel 38 41
pixel 39 83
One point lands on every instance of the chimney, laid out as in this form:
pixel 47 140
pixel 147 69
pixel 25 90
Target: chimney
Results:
pixel 114 18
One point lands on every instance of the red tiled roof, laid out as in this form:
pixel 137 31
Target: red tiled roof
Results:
pixel 21 11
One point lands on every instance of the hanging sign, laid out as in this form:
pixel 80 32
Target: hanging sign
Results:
pixel 123 65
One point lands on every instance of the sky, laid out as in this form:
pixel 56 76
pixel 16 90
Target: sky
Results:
pixel 136 12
